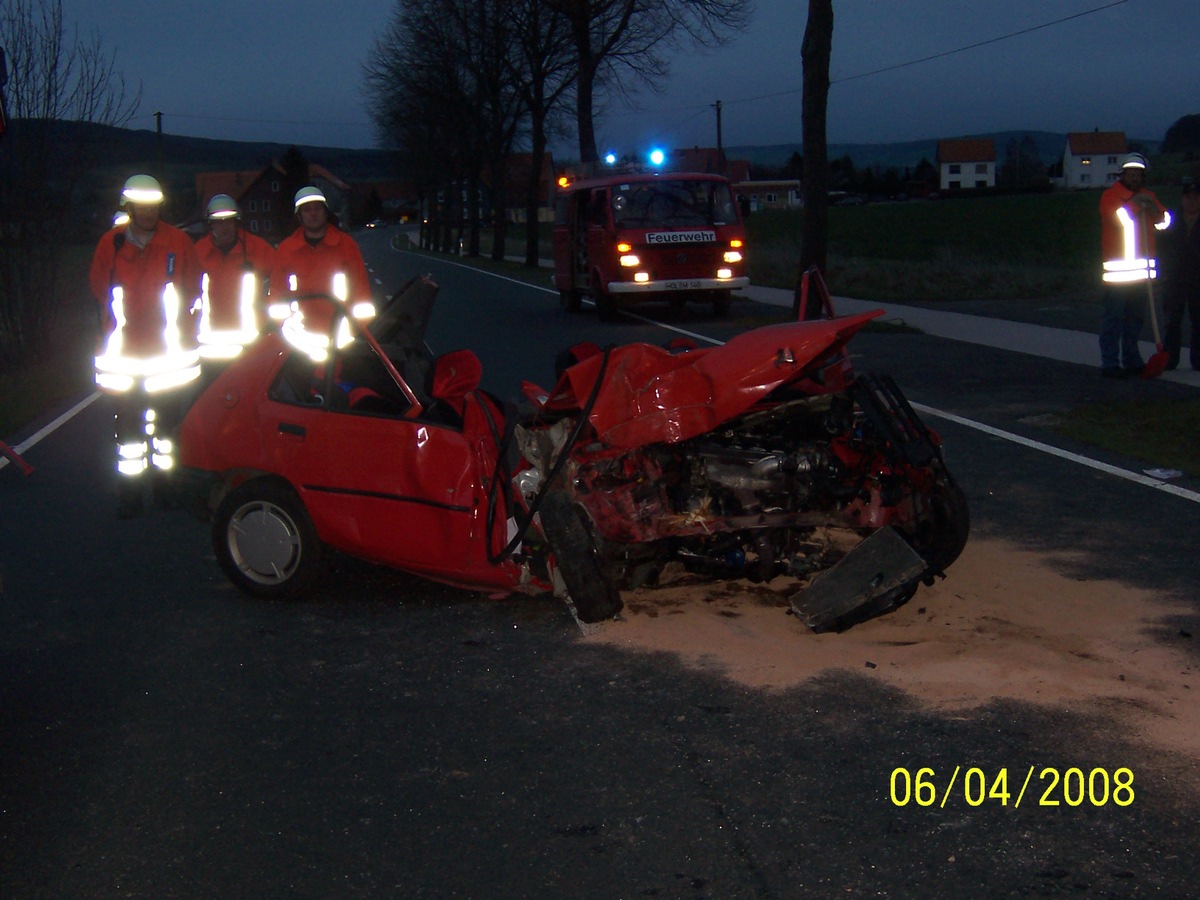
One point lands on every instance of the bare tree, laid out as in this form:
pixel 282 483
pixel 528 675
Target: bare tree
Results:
pixel 615 38
pixel 545 70
pixel 52 80
pixel 815 52
pixel 419 105
pixel 444 93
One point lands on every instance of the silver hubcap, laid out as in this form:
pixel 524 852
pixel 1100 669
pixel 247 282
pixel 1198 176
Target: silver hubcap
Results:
pixel 264 542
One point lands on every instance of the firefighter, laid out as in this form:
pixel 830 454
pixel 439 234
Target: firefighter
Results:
pixel 317 258
pixel 236 268
pixel 145 275
pixel 1129 217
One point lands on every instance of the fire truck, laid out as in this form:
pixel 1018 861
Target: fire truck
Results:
pixel 626 238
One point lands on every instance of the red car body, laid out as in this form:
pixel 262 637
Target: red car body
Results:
pixel 388 454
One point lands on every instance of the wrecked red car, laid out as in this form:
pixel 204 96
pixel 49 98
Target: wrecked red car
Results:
pixel 762 457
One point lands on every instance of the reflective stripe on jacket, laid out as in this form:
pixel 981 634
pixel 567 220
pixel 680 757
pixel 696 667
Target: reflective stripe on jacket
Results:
pixel 1127 232
pixel 303 268
pixel 169 257
pixel 233 289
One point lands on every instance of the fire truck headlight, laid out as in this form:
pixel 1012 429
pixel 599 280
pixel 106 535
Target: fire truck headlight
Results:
pixel 724 273
pixel 641 277
pixel 630 261
pixel 733 256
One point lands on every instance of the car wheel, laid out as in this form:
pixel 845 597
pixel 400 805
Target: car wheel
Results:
pixel 570 300
pixel 593 593
pixel 265 541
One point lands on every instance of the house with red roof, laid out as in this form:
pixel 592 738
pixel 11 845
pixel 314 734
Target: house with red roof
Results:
pixel 1092 159
pixel 264 200
pixel 966 163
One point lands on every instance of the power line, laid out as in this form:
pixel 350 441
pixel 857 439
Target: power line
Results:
pixel 995 40
pixel 255 121
pixel 942 54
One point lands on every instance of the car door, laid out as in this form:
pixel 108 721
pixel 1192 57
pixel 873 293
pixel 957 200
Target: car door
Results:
pixel 377 484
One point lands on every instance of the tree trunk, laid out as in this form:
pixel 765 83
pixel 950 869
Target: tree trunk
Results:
pixel 815 53
pixel 533 190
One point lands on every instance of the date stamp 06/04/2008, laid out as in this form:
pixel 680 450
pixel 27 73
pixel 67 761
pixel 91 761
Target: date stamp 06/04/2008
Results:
pixel 1053 787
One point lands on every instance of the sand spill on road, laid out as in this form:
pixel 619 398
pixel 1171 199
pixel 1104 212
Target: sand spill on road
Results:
pixel 1003 624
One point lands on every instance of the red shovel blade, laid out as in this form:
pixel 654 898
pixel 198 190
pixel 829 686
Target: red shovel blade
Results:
pixel 11 454
pixel 1156 364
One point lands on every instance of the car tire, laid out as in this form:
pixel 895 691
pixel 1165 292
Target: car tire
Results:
pixel 593 593
pixel 265 541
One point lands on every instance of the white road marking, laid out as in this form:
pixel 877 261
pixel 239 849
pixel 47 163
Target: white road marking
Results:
pixel 52 426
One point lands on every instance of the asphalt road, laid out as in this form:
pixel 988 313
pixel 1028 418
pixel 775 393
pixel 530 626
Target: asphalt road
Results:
pixel 162 735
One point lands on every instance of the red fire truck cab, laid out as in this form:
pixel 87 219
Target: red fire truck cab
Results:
pixel 626 238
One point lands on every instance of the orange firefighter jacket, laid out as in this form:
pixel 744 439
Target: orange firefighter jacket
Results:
pixel 143 274
pixel 224 308
pixel 305 268
pixel 1127 234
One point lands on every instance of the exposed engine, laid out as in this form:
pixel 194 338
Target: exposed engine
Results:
pixel 789 488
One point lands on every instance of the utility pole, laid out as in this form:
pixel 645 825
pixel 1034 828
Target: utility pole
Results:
pixel 720 144
pixel 158 127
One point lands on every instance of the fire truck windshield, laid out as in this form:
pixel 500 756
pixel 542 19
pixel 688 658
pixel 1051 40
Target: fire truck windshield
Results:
pixel 673 204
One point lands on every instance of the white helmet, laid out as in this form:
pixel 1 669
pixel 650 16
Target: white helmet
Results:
pixel 1134 161
pixel 142 189
pixel 222 206
pixel 308 194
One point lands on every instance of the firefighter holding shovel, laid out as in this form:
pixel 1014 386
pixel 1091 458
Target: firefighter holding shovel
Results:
pixel 1130 215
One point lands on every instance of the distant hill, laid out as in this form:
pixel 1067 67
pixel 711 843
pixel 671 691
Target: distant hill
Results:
pixel 120 151
pixel 177 150
pixel 908 154
pixel 126 150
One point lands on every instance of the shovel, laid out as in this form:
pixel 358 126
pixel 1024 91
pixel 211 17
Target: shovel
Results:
pixel 1158 360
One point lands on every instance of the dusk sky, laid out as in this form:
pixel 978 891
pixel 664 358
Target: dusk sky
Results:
pixel 292 71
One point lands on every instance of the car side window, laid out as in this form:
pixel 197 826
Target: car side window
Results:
pixel 301 382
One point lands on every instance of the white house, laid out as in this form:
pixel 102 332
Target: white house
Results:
pixel 1092 159
pixel 966 163
pixel 770 194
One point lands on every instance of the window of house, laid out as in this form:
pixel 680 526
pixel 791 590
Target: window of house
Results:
pixel 274 187
pixel 266 206
pixel 254 226
pixel 253 206
pixel 956 169
pixel 1112 160
pixel 980 168
pixel 1085 160
pixel 1085 178
pixel 772 198
pixel 267 225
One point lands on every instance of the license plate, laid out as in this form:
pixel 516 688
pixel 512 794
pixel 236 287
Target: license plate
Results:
pixel 681 285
